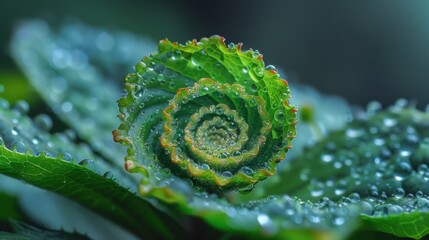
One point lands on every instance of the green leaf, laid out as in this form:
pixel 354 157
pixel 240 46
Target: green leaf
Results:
pixel 206 112
pixel 380 162
pixel 412 225
pixel 19 132
pixel 100 194
pixel 26 232
pixel 74 70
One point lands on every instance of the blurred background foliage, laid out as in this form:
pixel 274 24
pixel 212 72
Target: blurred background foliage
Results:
pixel 360 50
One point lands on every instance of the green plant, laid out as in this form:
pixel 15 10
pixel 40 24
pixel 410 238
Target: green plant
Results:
pixel 345 178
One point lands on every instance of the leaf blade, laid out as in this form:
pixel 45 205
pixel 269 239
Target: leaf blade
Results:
pixel 99 194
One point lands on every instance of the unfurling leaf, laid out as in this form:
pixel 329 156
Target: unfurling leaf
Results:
pixel 206 112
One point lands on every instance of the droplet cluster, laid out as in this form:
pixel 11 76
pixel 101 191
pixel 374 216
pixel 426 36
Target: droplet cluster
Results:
pixel 274 215
pixel 380 159
pixel 28 136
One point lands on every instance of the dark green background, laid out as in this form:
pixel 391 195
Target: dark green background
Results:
pixel 361 50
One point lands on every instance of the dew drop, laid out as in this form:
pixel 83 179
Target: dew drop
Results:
pixel 227 174
pixel 66 107
pixel 354 197
pixel 263 220
pixel 88 163
pixel 160 77
pixel 205 89
pixel 140 68
pixel 43 121
pixel 22 106
pixel 279 116
pixel 422 169
pixel 108 175
pixel 252 102
pixel 253 87
pixel 219 111
pixel 405 152
pixel 231 46
pixel 176 55
pixel 393 209
pixel 379 141
pixel 270 67
pixel 258 71
pixel 339 191
pixel 366 207
pixel 338 165
pixel 313 217
pixel 246 170
pixel 373 107
pixel 14 131
pixel 389 122
pixel 20 147
pixel 327 158
pixel 354 133
pixel 205 167
pixel 256 54
pixel 66 156
pixel 422 203
pixel 338 221
pixel 316 193
pixel 402 171
pixel 172 84
pixel 399 193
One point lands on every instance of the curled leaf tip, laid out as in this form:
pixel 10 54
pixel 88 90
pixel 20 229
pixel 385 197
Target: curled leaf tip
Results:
pixel 206 112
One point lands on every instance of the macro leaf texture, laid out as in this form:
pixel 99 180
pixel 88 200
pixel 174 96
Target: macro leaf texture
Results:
pixel 29 153
pixel 379 162
pixel 207 127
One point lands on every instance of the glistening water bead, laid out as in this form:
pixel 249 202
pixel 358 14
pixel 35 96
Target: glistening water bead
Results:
pixel 212 114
